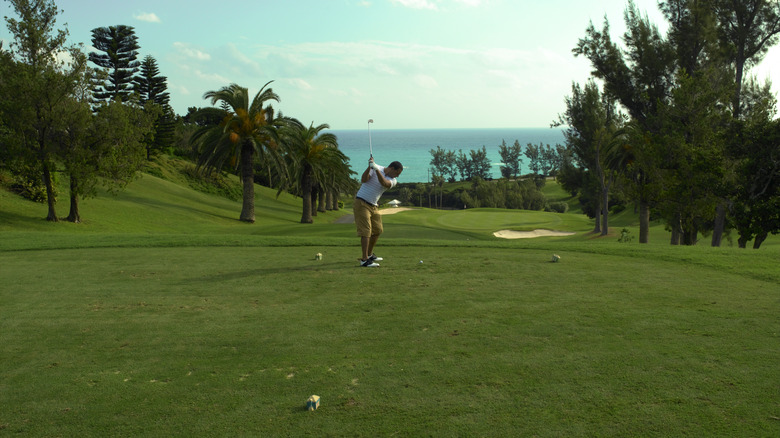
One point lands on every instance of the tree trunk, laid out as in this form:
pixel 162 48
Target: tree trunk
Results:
pixel 321 200
pixel 315 193
pixel 605 212
pixel 690 236
pixel 675 240
pixel 329 200
pixel 50 198
pixel 306 217
pixel 644 221
pixel 248 180
pixel 306 189
pixel 742 242
pixel 720 222
pixel 74 215
pixel 597 227
pixel 760 237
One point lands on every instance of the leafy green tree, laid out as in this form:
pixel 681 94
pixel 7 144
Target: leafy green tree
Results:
pixel 438 183
pixel 534 158
pixel 640 77
pixel 480 163
pixel 101 149
pixel 38 81
pixel 117 57
pixel 691 145
pixel 551 159
pixel 250 130
pixel 510 159
pixel 746 29
pixel 593 125
pixel 443 162
pixel 311 155
pixel 755 140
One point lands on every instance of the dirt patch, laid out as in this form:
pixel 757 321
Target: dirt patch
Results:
pixel 509 234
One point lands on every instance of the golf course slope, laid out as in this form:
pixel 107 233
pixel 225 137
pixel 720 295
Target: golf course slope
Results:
pixel 163 315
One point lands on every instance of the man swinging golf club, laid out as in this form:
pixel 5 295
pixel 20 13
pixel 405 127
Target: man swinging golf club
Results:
pixel 374 181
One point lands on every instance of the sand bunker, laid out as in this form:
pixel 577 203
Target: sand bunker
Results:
pixel 509 234
pixel 394 210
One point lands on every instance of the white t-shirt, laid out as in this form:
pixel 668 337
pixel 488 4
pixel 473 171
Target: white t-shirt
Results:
pixel 371 190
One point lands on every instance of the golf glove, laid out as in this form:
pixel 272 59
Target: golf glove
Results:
pixel 373 165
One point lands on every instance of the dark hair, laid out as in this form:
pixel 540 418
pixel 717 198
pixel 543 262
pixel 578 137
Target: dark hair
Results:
pixel 396 165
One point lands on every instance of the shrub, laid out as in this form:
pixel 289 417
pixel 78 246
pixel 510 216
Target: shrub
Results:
pixel 29 184
pixel 557 207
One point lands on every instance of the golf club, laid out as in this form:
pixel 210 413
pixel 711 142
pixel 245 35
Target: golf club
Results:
pixel 370 147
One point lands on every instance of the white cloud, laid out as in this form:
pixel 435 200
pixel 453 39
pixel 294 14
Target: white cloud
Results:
pixel 238 59
pixel 189 52
pixel 417 4
pixel 213 78
pixel 149 17
pixel 182 89
pixel 433 5
pixel 425 81
pixel 300 84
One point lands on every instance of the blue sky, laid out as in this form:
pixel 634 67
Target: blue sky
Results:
pixel 407 64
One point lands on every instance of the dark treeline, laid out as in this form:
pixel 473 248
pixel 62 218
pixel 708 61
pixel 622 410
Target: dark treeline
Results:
pixel 513 191
pixel 674 124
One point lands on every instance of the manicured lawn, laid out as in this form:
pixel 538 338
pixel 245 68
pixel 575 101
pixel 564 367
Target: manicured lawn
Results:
pixel 164 316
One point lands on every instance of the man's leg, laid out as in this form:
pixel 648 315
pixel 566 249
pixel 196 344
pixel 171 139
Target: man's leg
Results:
pixel 365 244
pixel 370 246
pixel 376 231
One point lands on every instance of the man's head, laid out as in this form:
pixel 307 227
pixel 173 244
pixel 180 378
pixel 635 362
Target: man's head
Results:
pixel 394 169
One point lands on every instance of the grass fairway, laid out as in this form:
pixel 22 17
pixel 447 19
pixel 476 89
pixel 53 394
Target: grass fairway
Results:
pixel 196 325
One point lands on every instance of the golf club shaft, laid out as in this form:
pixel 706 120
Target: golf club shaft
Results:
pixel 370 146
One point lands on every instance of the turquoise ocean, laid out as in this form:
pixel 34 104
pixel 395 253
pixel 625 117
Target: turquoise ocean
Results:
pixel 412 146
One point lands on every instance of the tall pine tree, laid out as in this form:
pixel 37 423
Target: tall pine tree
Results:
pixel 152 88
pixel 150 85
pixel 118 62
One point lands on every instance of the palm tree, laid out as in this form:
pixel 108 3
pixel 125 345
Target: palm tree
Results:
pixel 313 158
pixel 247 130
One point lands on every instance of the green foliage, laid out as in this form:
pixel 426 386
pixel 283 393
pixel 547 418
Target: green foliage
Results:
pixel 474 165
pixel 117 58
pixel 29 185
pixel 249 131
pixel 314 162
pixel 444 163
pixel 150 85
pixel 36 87
pixel 558 207
pixel 625 236
pixel 510 159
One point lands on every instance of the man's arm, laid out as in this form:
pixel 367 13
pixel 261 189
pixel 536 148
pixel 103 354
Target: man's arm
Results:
pixel 382 180
pixel 366 175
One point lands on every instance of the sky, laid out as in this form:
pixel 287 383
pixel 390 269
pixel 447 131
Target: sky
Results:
pixel 406 64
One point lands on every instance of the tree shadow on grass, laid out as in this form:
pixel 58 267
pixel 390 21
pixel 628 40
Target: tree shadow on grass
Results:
pixel 260 272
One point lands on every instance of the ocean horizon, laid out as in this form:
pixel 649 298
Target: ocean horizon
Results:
pixel 412 146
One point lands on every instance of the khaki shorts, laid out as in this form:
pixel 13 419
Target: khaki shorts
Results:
pixel 368 220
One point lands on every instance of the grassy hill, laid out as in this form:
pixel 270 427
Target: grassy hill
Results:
pixel 163 315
